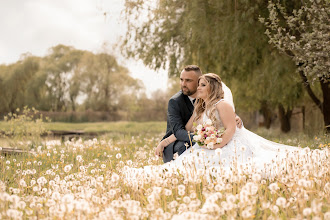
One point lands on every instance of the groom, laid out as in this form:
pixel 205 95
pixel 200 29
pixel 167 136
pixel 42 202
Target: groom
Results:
pixel 180 109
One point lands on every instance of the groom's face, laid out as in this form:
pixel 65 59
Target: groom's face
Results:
pixel 189 82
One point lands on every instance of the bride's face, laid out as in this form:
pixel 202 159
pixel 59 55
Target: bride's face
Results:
pixel 203 89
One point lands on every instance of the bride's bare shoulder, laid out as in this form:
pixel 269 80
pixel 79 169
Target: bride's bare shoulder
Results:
pixel 224 105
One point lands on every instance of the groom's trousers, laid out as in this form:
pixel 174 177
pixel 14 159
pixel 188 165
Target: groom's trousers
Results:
pixel 175 147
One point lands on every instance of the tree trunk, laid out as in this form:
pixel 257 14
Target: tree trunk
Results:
pixel 267 113
pixel 326 104
pixel 73 104
pixel 284 118
pixel 303 117
pixel 310 91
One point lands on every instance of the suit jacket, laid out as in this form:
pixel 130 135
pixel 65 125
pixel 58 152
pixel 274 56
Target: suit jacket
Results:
pixel 179 112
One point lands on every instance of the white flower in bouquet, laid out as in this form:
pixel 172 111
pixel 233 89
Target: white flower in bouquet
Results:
pixel 210 145
pixel 197 137
pixel 199 127
pixel 208 122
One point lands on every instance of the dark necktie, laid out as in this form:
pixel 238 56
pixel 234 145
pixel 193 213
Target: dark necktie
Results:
pixel 193 101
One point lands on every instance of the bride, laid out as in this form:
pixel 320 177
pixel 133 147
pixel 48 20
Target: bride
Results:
pixel 239 149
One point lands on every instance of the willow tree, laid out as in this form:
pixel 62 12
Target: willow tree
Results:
pixel 15 83
pixel 59 67
pixel 104 81
pixel 224 37
pixel 304 35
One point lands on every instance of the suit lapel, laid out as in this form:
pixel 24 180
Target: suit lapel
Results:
pixel 188 103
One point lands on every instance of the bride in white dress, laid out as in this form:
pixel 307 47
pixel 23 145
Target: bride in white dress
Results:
pixel 240 149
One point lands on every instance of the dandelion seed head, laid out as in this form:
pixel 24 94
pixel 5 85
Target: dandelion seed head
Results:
pixel 307 211
pixel 281 202
pixel 67 168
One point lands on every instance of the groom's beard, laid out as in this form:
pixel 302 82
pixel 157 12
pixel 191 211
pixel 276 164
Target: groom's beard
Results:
pixel 187 92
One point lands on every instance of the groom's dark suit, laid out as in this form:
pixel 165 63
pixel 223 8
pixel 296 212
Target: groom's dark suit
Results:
pixel 179 112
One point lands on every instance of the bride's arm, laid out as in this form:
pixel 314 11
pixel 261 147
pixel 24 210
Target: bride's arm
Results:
pixel 189 125
pixel 227 117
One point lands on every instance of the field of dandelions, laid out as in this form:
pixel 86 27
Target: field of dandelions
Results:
pixel 87 179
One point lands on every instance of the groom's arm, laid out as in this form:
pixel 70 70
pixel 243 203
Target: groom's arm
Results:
pixel 176 122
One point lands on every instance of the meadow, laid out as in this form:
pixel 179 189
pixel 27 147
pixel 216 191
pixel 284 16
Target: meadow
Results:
pixel 89 179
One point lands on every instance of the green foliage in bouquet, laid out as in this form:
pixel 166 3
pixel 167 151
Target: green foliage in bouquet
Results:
pixel 24 128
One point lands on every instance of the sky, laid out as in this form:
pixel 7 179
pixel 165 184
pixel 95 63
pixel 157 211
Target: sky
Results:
pixel 34 26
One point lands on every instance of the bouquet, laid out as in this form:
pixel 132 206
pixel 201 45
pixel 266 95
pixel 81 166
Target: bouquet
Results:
pixel 207 135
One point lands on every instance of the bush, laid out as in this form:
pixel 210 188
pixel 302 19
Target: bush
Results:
pixel 24 128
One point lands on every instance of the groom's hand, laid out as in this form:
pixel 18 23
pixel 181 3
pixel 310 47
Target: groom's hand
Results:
pixel 159 150
pixel 239 122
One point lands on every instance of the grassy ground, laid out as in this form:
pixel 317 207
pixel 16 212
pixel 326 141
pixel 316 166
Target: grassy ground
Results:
pixel 96 179
pixel 101 127
pixel 117 130
pixel 113 130
pixel 316 140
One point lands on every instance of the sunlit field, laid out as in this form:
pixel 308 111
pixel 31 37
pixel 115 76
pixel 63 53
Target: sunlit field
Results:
pixel 87 179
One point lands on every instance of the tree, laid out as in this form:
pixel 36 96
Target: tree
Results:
pixel 271 89
pixel 36 94
pixel 304 36
pixel 4 73
pixel 67 78
pixel 104 82
pixel 59 68
pixel 16 78
pixel 224 37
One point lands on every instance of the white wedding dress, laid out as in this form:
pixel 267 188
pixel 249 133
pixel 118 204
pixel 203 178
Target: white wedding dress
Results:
pixel 245 153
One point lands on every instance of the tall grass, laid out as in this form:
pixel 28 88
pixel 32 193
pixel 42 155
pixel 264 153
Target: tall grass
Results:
pixel 89 179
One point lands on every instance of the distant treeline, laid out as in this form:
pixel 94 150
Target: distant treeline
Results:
pixel 74 85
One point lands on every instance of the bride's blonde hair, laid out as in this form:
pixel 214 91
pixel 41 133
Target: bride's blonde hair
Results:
pixel 215 93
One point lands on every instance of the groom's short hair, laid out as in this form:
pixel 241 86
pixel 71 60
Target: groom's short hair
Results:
pixel 193 68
